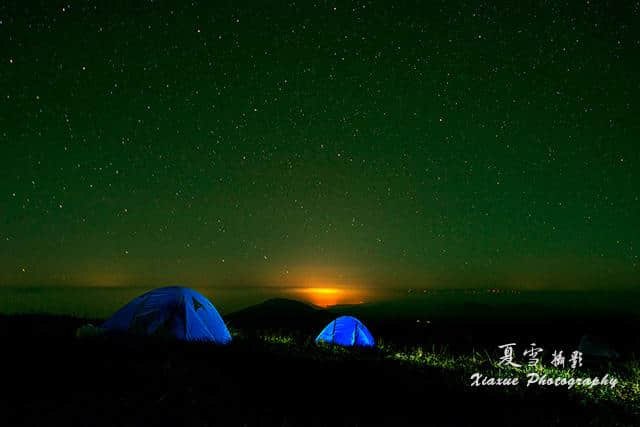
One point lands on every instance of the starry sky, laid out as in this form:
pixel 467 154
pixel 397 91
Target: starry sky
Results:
pixel 363 145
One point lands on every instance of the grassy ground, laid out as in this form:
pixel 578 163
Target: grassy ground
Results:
pixel 281 378
pixel 625 392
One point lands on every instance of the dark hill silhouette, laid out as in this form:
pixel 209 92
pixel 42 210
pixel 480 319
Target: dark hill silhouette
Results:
pixel 461 323
pixel 279 313
pixel 468 321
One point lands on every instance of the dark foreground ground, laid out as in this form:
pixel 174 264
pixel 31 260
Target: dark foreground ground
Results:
pixel 49 377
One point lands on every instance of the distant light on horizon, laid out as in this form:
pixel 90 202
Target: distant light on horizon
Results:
pixel 325 297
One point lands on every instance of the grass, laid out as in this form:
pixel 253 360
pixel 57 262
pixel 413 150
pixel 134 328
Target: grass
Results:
pixel 282 377
pixel 459 369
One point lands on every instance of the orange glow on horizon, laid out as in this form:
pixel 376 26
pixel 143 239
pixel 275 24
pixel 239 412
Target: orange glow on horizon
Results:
pixel 324 297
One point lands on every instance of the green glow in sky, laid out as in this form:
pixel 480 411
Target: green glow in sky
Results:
pixel 341 144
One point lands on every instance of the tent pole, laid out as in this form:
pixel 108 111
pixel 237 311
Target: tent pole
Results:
pixel 355 334
pixel 333 333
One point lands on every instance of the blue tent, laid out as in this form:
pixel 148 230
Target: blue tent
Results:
pixel 346 330
pixel 174 311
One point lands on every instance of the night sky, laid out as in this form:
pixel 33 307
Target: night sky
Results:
pixel 364 145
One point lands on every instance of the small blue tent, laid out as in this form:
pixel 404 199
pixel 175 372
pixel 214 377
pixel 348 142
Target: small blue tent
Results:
pixel 348 331
pixel 174 311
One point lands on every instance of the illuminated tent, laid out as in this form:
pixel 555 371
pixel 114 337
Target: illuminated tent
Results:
pixel 348 331
pixel 174 311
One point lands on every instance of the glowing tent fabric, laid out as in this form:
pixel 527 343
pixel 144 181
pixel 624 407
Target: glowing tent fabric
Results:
pixel 174 311
pixel 347 331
